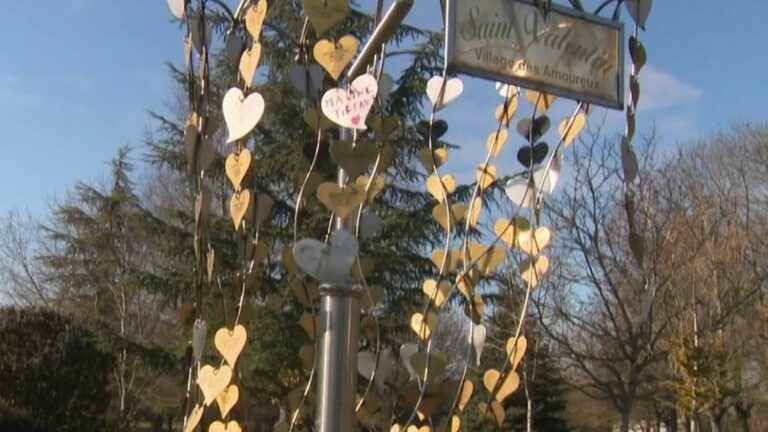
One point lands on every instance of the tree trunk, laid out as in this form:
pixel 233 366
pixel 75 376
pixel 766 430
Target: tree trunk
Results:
pixel 716 418
pixel 625 419
pixel 671 422
pixel 529 406
pixel 744 415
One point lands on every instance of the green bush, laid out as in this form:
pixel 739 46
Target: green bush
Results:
pixel 51 368
pixel 16 420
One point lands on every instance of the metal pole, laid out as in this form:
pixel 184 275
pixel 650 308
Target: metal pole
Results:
pixel 340 305
pixel 337 364
pixel 381 35
pixel 337 367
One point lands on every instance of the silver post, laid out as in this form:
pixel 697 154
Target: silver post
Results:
pixel 337 367
pixel 337 364
pixel 340 305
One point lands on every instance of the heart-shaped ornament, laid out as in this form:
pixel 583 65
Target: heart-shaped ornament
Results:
pixel 308 323
pixel 329 263
pixel 308 79
pixel 240 113
pixel 230 343
pixel 307 356
pixel 473 211
pixel 508 231
pixel 639 10
pixel 334 57
pixel 440 187
pixel 249 62
pixel 383 127
pixel 349 108
pixel 200 37
pixel 200 152
pixel 532 130
pixel 452 260
pixel 542 101
pixel 213 381
pixel 455 425
pixel 533 242
pixel 355 158
pixel 218 426
pixel 637 53
pixel 532 271
pixel 306 291
pixel 516 350
pixel 386 84
pixel 475 309
pixel 227 399
pixel 571 127
pixel 236 167
pixel 324 14
pixel 366 364
pixel 440 213
pixel 437 293
pixel 521 191
pixel 437 363
pixel 254 18
pixel 439 128
pixel 442 96
pixel 629 163
pixel 191 131
pixel 177 8
pixel 528 156
pixel 466 281
pixel 317 120
pixel 493 412
pixel 423 326
pixel 467 389
pixel 234 49
pixel 506 112
pixel 340 200
pixel 488 259
pixel 485 176
pixel 199 332
pixel 507 90
pixel 496 141
pixel 239 205
pixel 432 159
pixel 479 334
pixel 194 418
pixel 505 389
pixel 546 179
pixel 373 187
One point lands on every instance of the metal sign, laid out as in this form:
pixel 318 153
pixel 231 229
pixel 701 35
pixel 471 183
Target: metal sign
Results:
pixel 568 53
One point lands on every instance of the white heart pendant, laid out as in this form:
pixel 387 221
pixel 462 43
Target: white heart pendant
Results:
pixel 349 108
pixel 453 89
pixel 240 113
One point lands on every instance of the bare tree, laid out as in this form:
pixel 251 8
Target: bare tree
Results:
pixel 22 278
pixel 617 246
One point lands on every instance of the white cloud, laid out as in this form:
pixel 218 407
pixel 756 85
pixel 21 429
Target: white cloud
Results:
pixel 659 89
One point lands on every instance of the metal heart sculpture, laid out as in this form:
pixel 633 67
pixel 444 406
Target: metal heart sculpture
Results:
pixel 327 262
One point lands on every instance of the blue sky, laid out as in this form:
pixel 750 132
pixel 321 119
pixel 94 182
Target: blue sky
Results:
pixel 78 79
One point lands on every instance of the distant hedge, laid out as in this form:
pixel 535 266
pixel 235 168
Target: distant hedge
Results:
pixel 52 374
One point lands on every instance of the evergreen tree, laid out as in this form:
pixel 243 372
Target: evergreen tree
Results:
pixel 540 381
pixel 101 258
